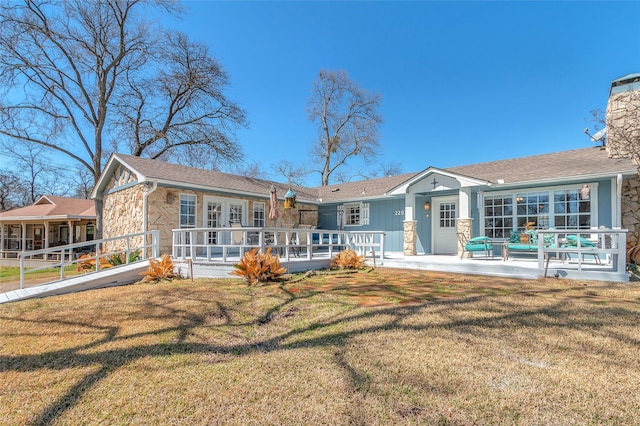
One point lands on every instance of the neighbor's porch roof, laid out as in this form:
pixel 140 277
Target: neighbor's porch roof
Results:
pixel 50 207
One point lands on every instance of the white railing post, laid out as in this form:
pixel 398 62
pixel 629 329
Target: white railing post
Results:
pixel 21 270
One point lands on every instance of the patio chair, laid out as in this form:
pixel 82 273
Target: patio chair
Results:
pixel 300 238
pixel 476 244
pixel 236 236
pixel 572 241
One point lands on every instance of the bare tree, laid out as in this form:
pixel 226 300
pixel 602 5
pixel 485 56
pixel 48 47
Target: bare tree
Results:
pixel 293 174
pixel 347 119
pixel 72 69
pixel 37 173
pixel 11 191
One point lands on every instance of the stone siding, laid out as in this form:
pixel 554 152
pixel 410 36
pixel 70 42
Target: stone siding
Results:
pixel 623 125
pixel 631 210
pixel 463 227
pixel 163 212
pixel 410 237
pixel 123 214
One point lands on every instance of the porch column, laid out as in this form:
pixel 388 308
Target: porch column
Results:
pixel 464 197
pixel 70 225
pixel 46 235
pixel 463 224
pixel 464 228
pixel 23 236
pixel 410 226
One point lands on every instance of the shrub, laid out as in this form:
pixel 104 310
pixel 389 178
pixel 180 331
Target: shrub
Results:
pixel 160 269
pixel 87 262
pixel 348 259
pixel 257 267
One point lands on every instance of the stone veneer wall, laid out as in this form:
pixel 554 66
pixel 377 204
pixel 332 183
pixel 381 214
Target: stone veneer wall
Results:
pixel 623 125
pixel 165 216
pixel 631 210
pixel 463 227
pixel 623 141
pixel 410 237
pixel 122 215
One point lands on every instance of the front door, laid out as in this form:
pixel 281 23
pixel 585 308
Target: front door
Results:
pixel 38 233
pixel 445 236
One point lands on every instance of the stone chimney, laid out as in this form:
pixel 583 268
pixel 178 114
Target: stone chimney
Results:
pixel 623 118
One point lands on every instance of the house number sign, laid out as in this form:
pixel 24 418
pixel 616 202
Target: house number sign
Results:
pixel 399 212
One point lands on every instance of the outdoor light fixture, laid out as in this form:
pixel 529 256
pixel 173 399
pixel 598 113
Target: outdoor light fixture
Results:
pixel 427 206
pixel 169 198
pixel 585 192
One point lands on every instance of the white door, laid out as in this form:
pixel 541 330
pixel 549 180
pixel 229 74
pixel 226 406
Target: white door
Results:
pixel 445 236
pixel 221 212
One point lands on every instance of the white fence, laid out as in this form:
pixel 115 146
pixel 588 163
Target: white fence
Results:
pixel 581 249
pixel 219 244
pixel 69 254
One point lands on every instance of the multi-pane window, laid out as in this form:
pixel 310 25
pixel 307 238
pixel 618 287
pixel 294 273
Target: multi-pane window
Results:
pixel 258 214
pixel 571 210
pixel 352 214
pixel 560 208
pixel 448 215
pixel 235 213
pixel 532 208
pixel 498 216
pixel 187 211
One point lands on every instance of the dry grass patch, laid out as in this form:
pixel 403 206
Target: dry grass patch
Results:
pixel 384 347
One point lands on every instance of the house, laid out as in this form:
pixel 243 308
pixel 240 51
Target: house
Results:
pixel 419 212
pixel 141 194
pixel 51 221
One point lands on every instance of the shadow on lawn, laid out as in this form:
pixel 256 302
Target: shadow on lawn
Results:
pixel 558 314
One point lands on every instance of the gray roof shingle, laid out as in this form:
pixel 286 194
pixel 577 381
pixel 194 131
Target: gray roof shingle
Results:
pixel 558 165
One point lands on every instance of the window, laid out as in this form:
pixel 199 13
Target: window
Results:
pixel 498 214
pixel 236 212
pixel 561 208
pixel 187 211
pixel 354 214
pixel 533 208
pixel 448 215
pixel 570 210
pixel 258 214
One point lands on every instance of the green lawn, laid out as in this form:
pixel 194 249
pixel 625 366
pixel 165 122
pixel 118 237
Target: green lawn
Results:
pixel 384 347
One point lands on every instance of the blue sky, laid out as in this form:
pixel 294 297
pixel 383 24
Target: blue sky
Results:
pixel 461 82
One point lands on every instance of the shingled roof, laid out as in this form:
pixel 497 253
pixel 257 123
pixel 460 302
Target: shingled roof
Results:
pixel 185 176
pixel 558 165
pixel 53 207
pixel 591 161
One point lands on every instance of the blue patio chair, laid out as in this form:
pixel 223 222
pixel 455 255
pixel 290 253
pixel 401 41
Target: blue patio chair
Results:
pixel 476 244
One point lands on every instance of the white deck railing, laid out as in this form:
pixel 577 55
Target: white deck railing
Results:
pixel 67 255
pixel 218 244
pixel 601 246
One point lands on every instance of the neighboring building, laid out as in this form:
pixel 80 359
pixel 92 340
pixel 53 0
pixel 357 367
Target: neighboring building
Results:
pixel 51 221
pixel 419 212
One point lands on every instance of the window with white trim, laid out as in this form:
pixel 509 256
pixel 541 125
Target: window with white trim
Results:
pixel 187 211
pixel 236 212
pixel 447 214
pixel 258 213
pixel 498 215
pixel 354 214
pixel 560 208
